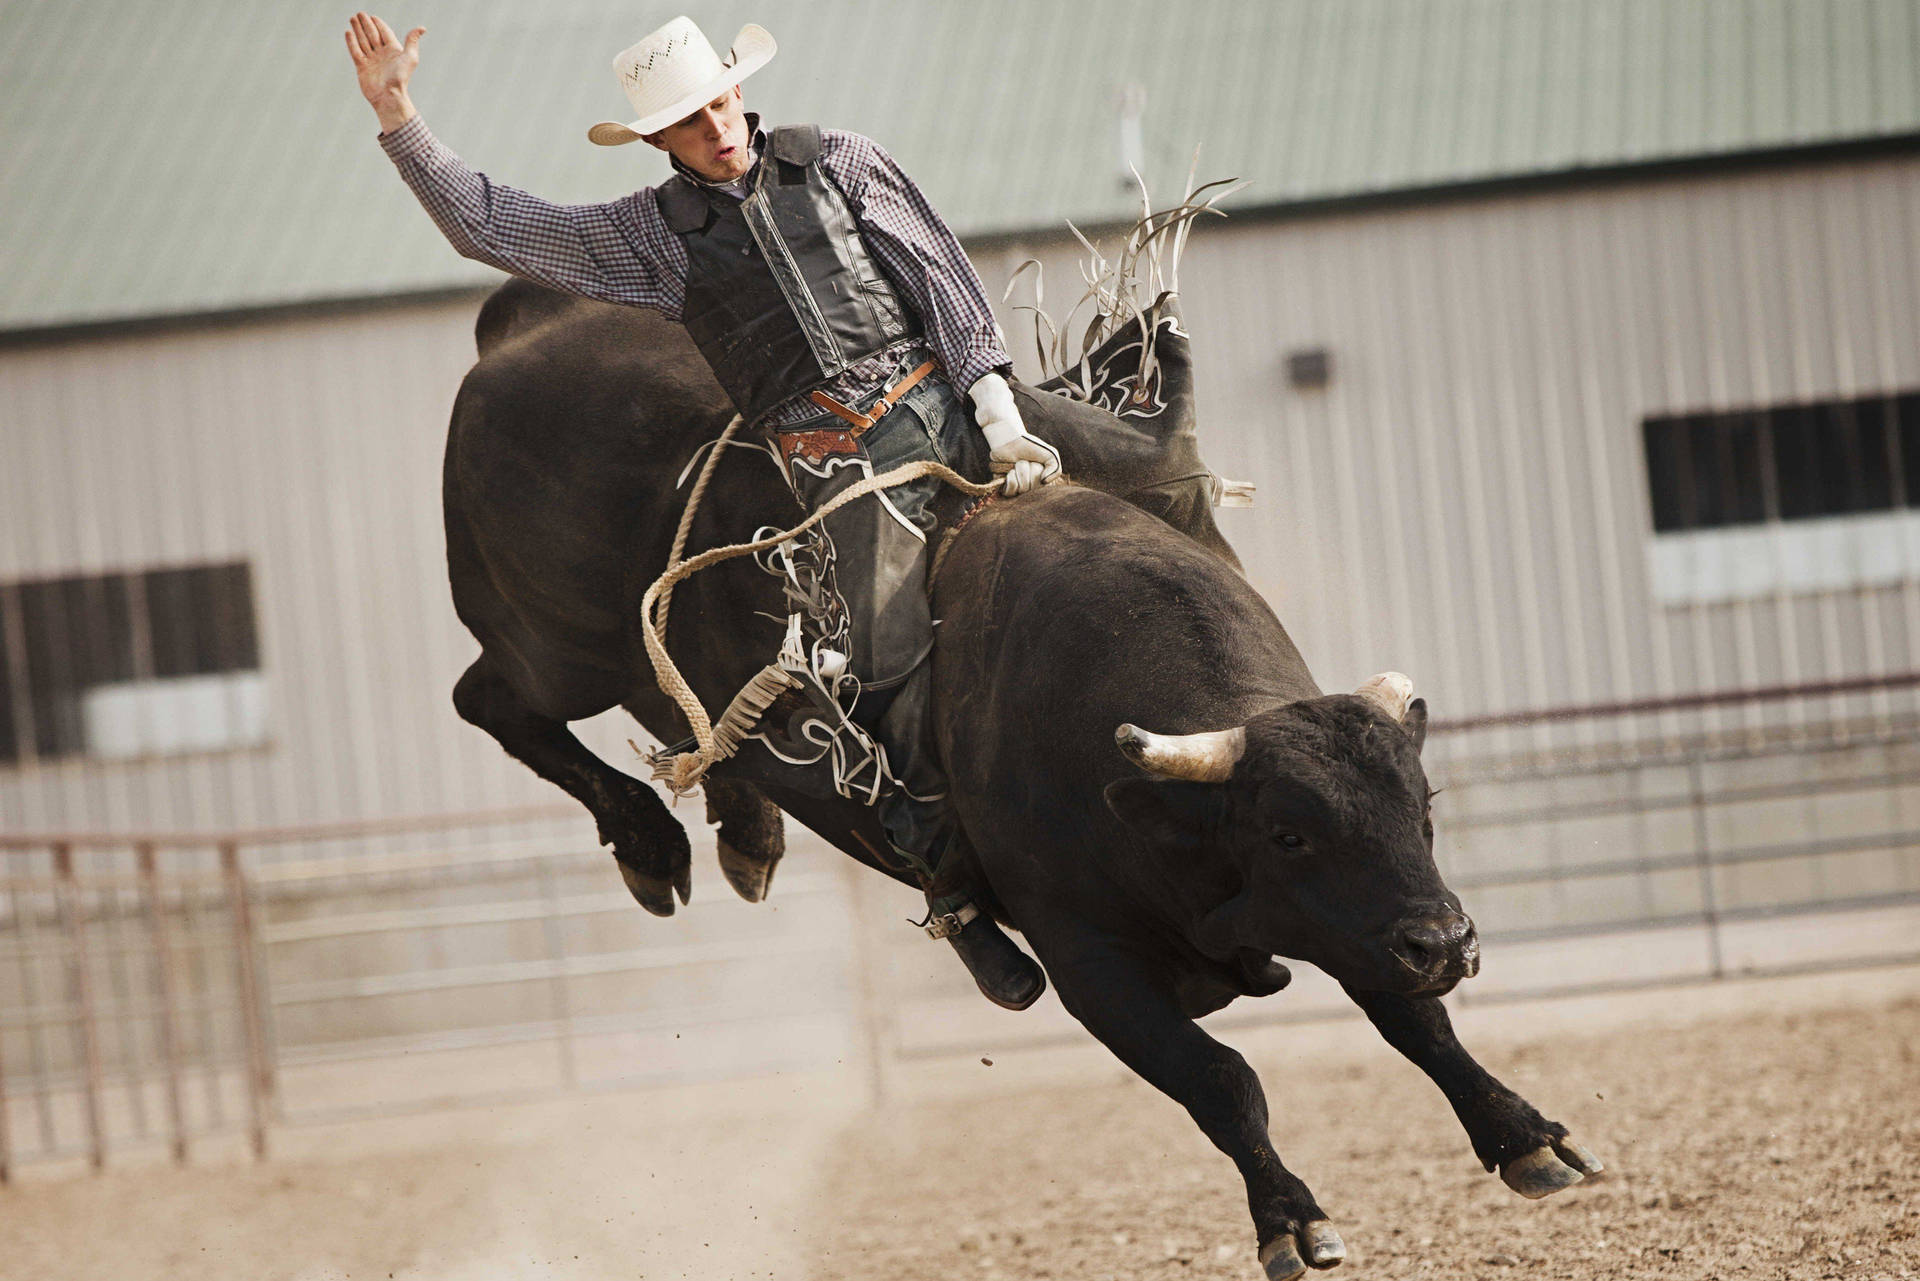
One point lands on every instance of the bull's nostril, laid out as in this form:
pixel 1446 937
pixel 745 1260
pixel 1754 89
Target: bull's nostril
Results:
pixel 1418 950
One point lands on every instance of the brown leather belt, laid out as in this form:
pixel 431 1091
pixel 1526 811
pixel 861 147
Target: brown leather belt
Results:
pixel 886 402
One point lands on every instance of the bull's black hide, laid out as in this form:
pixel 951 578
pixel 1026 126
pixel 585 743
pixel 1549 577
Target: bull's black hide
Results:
pixel 1067 615
pixel 566 442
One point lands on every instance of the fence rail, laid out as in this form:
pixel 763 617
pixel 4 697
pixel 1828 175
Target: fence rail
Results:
pixel 173 988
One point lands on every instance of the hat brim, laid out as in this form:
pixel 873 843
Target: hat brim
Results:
pixel 752 49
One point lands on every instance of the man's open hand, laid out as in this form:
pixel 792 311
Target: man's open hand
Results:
pixel 384 66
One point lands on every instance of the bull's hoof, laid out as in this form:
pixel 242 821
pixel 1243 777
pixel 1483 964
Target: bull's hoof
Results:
pixel 1547 1170
pixel 1318 1242
pixel 751 878
pixel 750 839
pixel 1281 1259
pixel 1323 1245
pixel 651 892
pixel 630 818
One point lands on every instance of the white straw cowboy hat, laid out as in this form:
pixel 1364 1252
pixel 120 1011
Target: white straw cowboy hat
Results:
pixel 674 72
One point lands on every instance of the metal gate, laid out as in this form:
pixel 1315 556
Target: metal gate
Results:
pixel 190 990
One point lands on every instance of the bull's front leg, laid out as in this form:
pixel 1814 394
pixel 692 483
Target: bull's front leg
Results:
pixel 648 843
pixel 1128 1006
pixel 1534 1155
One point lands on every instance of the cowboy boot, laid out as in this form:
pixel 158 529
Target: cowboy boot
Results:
pixel 925 836
pixel 922 829
pixel 1004 974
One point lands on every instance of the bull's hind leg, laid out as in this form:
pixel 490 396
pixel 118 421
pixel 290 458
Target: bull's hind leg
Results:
pixel 648 843
pixel 1129 1008
pixel 751 838
pixel 1534 1155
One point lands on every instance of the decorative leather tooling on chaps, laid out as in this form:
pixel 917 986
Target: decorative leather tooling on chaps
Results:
pixel 855 588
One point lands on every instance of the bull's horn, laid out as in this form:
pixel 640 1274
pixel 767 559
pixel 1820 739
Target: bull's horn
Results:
pixel 1390 692
pixel 1198 758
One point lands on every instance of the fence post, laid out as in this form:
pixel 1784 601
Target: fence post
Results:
pixel 6 1133
pixel 868 979
pixel 168 997
pixel 1703 860
pixel 562 1005
pixel 259 1079
pixel 66 891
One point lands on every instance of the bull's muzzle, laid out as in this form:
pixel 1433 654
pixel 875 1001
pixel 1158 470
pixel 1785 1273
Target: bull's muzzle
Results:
pixel 1443 948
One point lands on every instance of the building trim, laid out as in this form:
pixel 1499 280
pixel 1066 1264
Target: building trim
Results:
pixel 235 317
pixel 1664 169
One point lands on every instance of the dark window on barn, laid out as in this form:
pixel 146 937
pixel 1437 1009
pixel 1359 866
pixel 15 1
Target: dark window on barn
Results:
pixel 128 664
pixel 1784 463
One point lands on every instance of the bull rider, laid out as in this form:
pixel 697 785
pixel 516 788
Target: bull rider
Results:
pixel 839 314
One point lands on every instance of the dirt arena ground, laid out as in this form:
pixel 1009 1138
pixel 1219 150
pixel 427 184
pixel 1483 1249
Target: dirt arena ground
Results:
pixel 1766 1145
pixel 1745 1138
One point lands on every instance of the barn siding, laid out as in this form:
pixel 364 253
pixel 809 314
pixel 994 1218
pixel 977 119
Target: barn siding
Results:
pixel 1467 500
pixel 311 449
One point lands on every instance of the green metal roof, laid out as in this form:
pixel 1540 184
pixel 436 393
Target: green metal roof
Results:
pixel 160 159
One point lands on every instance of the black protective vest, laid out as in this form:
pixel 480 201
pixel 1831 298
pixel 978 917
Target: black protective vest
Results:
pixel 782 294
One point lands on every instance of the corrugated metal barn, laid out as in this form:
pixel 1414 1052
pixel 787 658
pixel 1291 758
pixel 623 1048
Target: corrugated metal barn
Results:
pixel 1574 346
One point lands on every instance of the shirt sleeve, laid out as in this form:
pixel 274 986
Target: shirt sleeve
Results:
pixel 920 255
pixel 619 251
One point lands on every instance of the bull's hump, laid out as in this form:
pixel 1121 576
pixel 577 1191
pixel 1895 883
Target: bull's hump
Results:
pixel 1070 524
pixel 1070 550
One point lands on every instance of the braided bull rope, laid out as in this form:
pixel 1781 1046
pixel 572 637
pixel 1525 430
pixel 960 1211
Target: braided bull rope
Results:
pixel 683 771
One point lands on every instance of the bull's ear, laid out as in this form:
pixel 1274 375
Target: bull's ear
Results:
pixel 1164 813
pixel 1415 722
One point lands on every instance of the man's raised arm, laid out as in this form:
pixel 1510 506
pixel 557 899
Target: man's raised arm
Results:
pixel 598 250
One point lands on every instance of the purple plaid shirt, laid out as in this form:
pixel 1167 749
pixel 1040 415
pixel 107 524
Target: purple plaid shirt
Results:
pixel 622 252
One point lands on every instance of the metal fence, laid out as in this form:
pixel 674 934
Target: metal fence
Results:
pixel 187 990
pixel 192 989
pixel 129 999
pixel 1716 857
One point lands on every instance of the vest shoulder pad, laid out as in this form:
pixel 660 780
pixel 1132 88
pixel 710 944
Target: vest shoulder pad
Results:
pixel 683 206
pixel 795 144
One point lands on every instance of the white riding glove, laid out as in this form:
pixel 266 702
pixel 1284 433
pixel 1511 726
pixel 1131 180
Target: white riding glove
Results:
pixel 1024 460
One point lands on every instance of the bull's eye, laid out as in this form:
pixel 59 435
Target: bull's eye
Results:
pixel 1426 827
pixel 1291 840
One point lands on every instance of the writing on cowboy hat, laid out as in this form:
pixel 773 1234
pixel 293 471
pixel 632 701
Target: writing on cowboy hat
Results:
pixel 673 72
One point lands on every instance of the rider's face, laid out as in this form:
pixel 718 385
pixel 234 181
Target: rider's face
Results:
pixel 712 141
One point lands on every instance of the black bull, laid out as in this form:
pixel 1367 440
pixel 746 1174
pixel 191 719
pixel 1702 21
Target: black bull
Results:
pixel 1272 819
